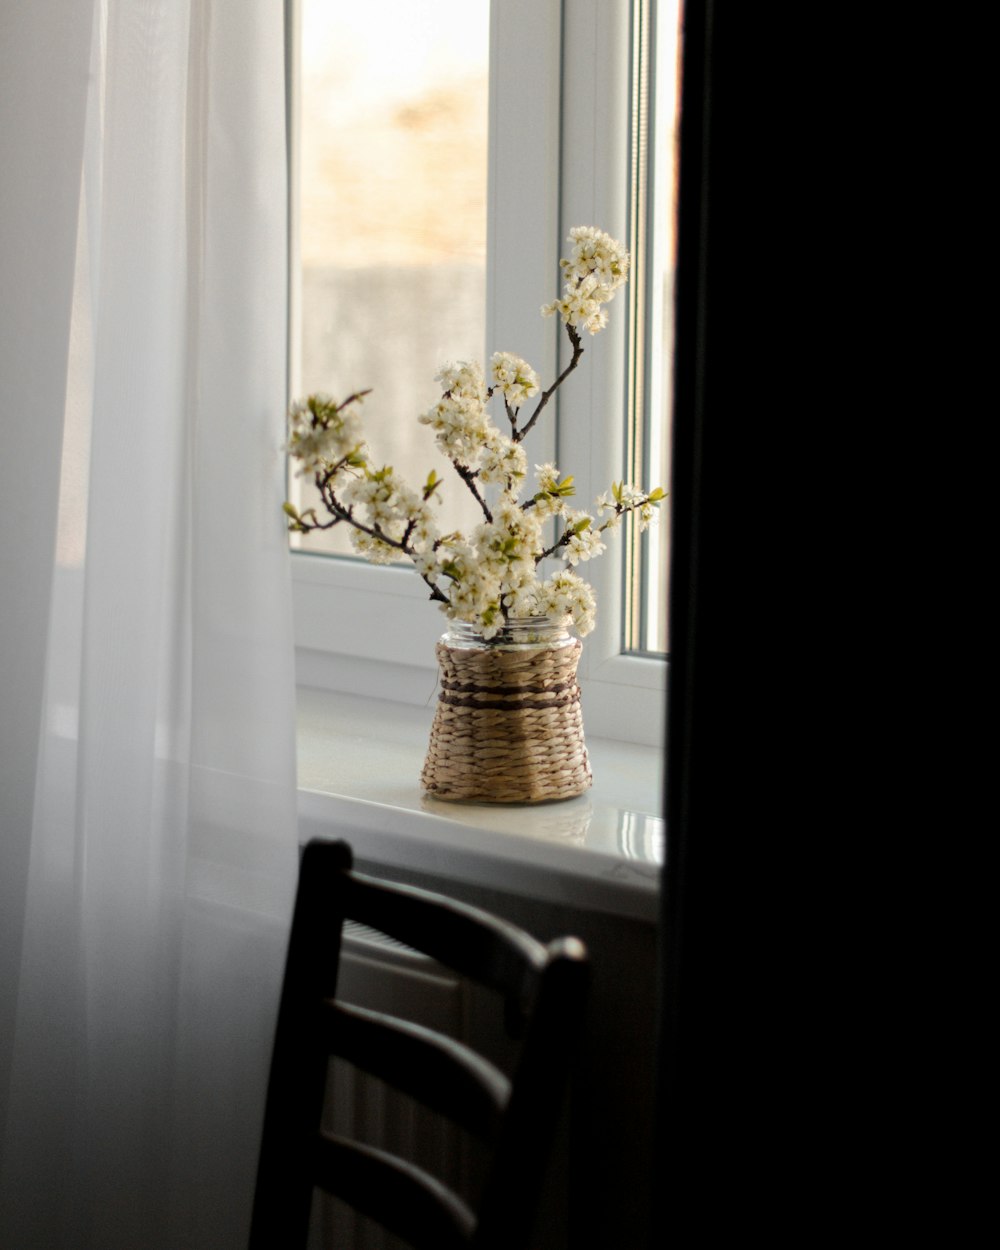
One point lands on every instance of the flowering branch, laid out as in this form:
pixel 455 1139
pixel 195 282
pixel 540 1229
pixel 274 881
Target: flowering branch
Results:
pixel 492 575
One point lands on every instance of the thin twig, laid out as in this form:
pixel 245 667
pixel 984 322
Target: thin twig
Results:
pixel 468 476
pixel 563 541
pixel 511 417
pixel 356 395
pixel 574 338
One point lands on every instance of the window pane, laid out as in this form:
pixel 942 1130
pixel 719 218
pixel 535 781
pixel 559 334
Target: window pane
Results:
pixel 392 160
pixel 655 82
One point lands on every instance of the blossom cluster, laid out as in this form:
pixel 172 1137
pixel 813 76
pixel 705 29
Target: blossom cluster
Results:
pixel 514 378
pixel 459 419
pixel 593 273
pixel 322 432
pixel 497 572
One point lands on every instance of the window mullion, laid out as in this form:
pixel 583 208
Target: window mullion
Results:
pixel 522 237
pixel 595 125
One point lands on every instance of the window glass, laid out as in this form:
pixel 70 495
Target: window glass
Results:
pixel 391 186
pixel 655 92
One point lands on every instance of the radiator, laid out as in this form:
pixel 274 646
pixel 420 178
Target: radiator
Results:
pixel 383 975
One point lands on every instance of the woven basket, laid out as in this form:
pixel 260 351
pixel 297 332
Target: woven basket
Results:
pixel 508 727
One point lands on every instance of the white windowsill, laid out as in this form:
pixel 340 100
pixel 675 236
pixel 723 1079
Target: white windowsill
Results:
pixel 359 777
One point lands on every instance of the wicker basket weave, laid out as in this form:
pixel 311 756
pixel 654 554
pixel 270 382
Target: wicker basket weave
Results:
pixel 508 727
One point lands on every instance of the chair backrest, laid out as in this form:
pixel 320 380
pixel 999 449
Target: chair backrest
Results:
pixel 543 988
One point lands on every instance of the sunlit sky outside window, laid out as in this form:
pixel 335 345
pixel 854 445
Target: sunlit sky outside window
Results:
pixel 394 131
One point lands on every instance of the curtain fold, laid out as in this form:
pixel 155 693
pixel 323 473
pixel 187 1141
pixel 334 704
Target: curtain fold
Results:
pixel 149 828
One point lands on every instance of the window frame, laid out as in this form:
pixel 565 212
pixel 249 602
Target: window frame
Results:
pixel 357 626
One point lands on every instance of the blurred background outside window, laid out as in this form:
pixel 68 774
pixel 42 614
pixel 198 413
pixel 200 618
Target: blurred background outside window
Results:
pixel 392 226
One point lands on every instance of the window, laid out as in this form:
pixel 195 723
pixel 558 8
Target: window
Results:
pixel 560 152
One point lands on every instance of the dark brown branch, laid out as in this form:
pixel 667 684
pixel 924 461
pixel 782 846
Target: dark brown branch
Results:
pixel 562 541
pixel 511 415
pixel 355 397
pixel 337 510
pixel 468 476
pixel 574 338
pixel 301 526
pixel 436 593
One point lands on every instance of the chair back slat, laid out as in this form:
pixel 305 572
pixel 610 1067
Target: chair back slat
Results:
pixel 404 1199
pixel 465 939
pixel 438 1071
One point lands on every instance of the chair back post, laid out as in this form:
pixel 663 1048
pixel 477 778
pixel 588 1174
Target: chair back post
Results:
pixel 510 1200
pixel 299 1061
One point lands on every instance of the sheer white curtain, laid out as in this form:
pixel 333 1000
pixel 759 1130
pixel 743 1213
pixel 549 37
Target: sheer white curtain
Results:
pixel 147 792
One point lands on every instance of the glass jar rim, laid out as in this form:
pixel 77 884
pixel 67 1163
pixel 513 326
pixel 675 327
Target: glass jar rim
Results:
pixel 525 631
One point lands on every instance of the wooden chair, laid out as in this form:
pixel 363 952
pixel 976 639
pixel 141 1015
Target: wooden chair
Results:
pixel 543 988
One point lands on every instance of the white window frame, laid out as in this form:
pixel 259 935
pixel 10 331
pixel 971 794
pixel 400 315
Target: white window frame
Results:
pixel 558 157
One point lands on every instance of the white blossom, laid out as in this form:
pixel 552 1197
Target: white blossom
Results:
pixel 425 561
pixel 551 493
pixel 521 597
pixel 464 379
pixel 584 539
pixel 566 594
pixel 321 433
pixel 598 254
pixel 502 460
pixel 475 597
pixel 647 515
pixel 527 526
pixel 514 378
pixel 625 498
pixel 459 418
pixel 507 546
pixel 425 532
pixel 372 549
pixel 594 271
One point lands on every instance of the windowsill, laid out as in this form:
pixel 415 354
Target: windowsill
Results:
pixel 359 776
